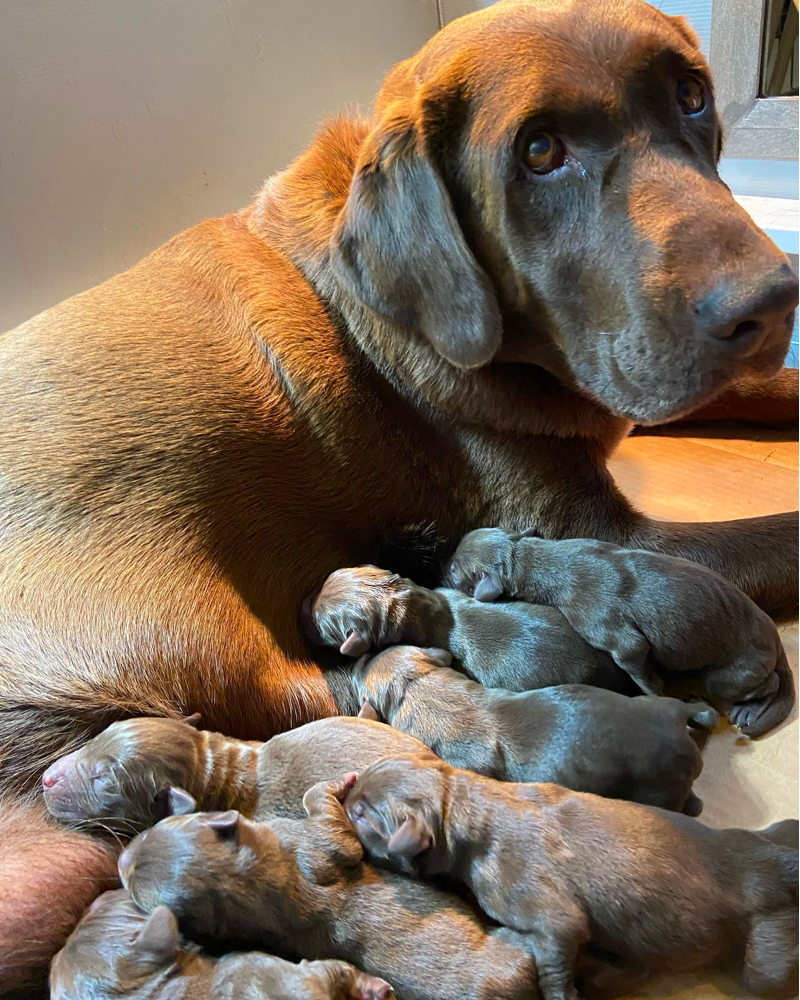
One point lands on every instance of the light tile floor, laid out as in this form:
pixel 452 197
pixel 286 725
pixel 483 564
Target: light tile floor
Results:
pixel 715 473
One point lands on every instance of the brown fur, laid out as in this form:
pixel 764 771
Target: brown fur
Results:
pixel 191 447
pixel 43 861
pixel 118 951
pixel 656 889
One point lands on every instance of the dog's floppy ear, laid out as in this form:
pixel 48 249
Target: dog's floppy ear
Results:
pixel 159 938
pixel 354 645
pixel 398 247
pixel 411 838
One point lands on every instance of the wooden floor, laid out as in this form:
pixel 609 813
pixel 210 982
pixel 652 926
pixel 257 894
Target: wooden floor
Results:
pixel 710 473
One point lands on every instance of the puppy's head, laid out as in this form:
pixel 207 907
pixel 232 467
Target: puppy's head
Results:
pixel 541 188
pixel 204 868
pixel 122 777
pixel 355 611
pixel 396 807
pixel 116 950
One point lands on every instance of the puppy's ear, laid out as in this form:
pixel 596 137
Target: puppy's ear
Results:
pixel 193 720
pixel 159 938
pixel 179 802
pixel 411 838
pixel 225 824
pixel 439 657
pixel 398 247
pixel 488 587
pixel 367 711
pixel 354 645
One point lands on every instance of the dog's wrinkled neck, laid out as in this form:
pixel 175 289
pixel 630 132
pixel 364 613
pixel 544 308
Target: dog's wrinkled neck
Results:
pixel 297 211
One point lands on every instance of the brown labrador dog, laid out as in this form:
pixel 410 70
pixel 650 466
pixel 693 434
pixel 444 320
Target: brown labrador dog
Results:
pixel 416 329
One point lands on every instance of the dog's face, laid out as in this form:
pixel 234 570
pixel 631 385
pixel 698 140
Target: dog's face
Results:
pixel 203 867
pixel 542 188
pixel 353 609
pixel 115 950
pixel 396 808
pixel 122 778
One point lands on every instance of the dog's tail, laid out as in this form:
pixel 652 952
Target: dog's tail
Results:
pixel 782 701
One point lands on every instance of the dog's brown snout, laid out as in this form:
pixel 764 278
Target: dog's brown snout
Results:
pixel 743 314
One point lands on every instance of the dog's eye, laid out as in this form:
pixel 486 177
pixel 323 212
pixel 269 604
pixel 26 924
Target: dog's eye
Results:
pixel 544 153
pixel 691 96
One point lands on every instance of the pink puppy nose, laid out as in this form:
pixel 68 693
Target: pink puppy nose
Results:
pixel 51 776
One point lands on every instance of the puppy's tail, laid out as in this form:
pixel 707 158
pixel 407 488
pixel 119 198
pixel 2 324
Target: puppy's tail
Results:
pixel 782 701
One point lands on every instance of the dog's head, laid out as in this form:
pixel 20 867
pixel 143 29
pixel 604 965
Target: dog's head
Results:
pixel 541 187
pixel 397 807
pixel 121 779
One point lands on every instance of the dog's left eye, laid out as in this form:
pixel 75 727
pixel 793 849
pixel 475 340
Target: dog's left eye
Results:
pixel 691 96
pixel 544 153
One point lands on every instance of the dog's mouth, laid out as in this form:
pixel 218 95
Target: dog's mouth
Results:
pixel 647 384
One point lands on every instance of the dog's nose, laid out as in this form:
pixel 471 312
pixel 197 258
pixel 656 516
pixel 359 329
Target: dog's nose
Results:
pixel 50 777
pixel 742 315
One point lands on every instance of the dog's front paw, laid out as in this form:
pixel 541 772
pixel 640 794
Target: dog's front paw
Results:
pixel 482 564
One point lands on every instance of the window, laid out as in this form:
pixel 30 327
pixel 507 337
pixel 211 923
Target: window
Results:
pixel 779 52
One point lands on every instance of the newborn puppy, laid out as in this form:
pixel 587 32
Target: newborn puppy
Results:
pixel 118 951
pixel 574 735
pixel 650 612
pixel 292 884
pixel 123 776
pixel 658 890
pixel 515 646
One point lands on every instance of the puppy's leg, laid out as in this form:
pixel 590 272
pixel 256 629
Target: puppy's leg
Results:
pixel 631 653
pixel 344 982
pixel 771 965
pixel 48 876
pixel 785 832
pixel 558 930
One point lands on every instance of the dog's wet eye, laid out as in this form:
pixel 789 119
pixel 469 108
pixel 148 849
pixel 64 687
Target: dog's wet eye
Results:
pixel 691 96
pixel 544 153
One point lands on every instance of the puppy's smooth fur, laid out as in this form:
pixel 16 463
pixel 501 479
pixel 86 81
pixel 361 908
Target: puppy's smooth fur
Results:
pixel 118 951
pixel 582 737
pixel 648 611
pixel 407 335
pixel 302 886
pixel 514 645
pixel 122 778
pixel 657 889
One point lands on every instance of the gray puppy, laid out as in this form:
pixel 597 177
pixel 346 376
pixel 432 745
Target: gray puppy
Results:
pixel 515 646
pixel 118 951
pixel 657 890
pixel 122 778
pixel 575 735
pixel 648 611
pixel 289 884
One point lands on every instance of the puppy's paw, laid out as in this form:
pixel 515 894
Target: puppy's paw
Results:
pixel 481 564
pixel 370 988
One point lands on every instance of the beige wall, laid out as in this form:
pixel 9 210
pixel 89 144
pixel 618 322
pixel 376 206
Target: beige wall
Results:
pixel 124 121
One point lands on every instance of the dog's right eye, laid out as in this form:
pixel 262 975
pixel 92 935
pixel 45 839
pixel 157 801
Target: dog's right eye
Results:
pixel 544 153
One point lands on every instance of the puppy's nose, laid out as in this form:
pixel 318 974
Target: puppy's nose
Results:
pixel 742 315
pixel 52 775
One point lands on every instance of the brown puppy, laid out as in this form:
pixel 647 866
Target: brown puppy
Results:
pixel 302 886
pixel 118 951
pixel 122 778
pixel 655 888
pixel 648 611
pixel 417 323
pixel 574 735
pixel 513 645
